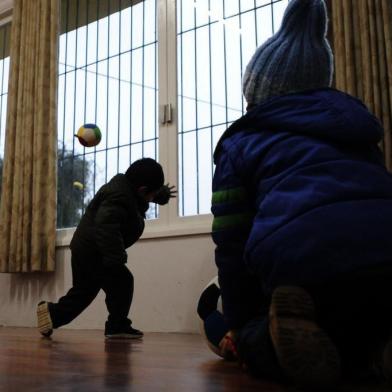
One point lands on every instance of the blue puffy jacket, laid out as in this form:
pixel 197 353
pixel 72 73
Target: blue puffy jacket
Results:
pixel 300 196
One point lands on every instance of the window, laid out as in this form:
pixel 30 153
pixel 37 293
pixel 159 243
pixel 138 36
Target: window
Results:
pixel 5 31
pixel 111 53
pixel 107 76
pixel 215 41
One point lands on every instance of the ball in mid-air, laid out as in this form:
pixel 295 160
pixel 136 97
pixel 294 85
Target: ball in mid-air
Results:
pixel 89 135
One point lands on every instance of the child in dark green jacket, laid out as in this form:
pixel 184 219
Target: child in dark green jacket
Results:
pixel 113 221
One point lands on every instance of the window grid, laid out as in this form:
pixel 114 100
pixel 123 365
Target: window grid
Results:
pixel 110 92
pixel 269 4
pixel 202 107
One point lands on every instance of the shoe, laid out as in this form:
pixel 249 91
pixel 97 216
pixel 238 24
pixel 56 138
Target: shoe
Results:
pixel 44 321
pixel 304 351
pixel 126 333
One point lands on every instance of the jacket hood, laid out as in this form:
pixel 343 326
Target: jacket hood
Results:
pixel 323 113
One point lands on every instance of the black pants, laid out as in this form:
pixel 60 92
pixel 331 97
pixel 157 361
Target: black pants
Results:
pixel 88 278
pixel 355 311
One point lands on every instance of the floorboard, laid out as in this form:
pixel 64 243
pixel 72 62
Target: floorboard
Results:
pixel 83 361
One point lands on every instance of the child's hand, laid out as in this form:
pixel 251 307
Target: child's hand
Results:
pixel 164 194
pixel 227 346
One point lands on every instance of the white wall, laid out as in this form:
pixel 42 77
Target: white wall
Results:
pixel 6 5
pixel 169 275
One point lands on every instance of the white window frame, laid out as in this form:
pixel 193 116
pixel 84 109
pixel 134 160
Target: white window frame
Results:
pixel 170 223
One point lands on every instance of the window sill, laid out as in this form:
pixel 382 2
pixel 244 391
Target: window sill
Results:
pixel 182 227
pixel 187 226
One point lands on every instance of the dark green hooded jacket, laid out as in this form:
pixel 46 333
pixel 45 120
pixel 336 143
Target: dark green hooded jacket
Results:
pixel 113 221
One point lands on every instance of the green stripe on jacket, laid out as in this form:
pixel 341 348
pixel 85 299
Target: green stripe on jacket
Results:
pixel 231 221
pixel 229 195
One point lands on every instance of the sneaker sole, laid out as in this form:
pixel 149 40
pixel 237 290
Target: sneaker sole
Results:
pixel 123 336
pixel 44 322
pixel 306 354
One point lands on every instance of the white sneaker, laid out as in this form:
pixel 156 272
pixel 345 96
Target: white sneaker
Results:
pixel 44 321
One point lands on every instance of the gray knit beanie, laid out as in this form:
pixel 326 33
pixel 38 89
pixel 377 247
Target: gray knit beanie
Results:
pixel 298 57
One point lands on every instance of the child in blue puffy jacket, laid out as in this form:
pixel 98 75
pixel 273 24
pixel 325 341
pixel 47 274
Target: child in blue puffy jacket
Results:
pixel 302 207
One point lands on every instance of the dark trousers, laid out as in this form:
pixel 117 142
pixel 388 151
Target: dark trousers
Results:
pixel 88 278
pixel 355 311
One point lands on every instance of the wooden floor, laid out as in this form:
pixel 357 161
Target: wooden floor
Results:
pixel 82 361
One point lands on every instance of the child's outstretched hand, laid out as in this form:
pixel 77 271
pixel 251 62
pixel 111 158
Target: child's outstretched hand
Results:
pixel 164 194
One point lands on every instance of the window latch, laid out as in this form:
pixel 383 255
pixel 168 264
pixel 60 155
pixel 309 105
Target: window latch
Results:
pixel 166 114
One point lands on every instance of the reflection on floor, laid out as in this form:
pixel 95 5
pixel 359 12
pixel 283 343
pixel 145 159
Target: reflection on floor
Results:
pixel 84 361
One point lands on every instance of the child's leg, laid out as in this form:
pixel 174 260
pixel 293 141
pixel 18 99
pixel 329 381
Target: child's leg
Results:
pixel 305 352
pixel 288 344
pixel 118 287
pixel 356 311
pixel 256 351
pixel 85 287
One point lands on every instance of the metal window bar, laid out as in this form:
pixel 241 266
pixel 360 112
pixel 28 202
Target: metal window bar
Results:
pixel 107 92
pixel 96 97
pixel 61 180
pixel 5 32
pixel 193 153
pixel 84 167
pixel 131 78
pixel 143 32
pixel 75 162
pixel 156 102
pixel 255 14
pixel 181 100
pixel 225 63
pixel 119 88
pixel 241 59
pixel 196 119
pixel 210 82
pixel 70 184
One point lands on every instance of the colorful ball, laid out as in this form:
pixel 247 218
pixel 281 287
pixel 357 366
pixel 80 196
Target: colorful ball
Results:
pixel 89 135
pixel 213 327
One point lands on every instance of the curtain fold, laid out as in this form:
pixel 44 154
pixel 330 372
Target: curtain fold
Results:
pixel 362 40
pixel 28 200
